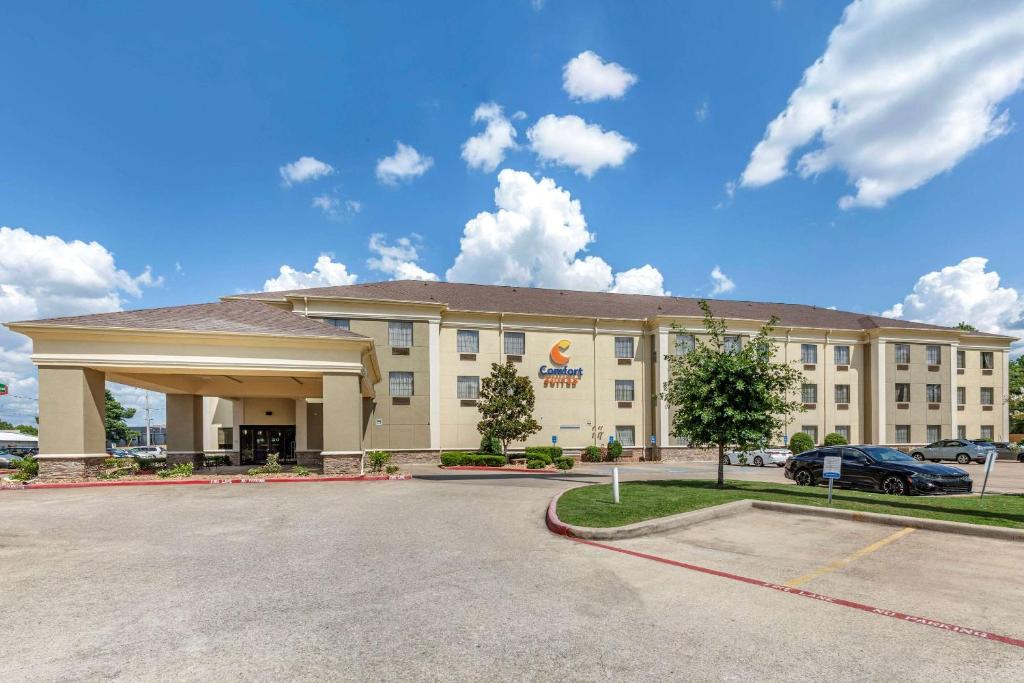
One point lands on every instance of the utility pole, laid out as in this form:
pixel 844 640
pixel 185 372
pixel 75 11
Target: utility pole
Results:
pixel 148 420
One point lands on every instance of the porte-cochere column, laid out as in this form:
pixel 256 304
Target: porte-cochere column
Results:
pixel 72 437
pixel 184 429
pixel 343 424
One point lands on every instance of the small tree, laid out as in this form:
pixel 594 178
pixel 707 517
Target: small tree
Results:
pixel 114 417
pixel 834 439
pixel 727 396
pixel 506 406
pixel 800 442
pixel 966 327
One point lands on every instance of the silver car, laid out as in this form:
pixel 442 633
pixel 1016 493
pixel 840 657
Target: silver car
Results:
pixel 960 450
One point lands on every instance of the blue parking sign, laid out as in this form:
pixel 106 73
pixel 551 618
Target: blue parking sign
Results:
pixel 554 438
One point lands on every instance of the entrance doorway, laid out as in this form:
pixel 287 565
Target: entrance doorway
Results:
pixel 256 441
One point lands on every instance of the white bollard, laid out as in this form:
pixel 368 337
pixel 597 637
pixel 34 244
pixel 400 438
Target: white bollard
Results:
pixel 615 485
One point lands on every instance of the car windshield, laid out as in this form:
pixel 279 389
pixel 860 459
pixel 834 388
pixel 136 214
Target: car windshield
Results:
pixel 886 454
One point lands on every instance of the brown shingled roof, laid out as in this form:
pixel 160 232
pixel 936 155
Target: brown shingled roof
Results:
pixel 231 316
pixel 534 300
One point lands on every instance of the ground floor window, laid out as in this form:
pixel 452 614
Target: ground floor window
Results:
pixel 626 435
pixel 811 431
pixel 902 433
pixel 988 432
pixel 225 440
pixel 623 390
pixel 933 433
pixel 843 431
pixel 961 432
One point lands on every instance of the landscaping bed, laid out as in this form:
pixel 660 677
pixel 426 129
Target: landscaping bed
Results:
pixel 592 506
pixel 535 458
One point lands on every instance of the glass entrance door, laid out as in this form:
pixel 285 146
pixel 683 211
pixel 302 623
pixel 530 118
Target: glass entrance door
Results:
pixel 259 440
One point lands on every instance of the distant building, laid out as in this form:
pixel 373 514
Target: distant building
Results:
pixel 158 434
pixel 18 440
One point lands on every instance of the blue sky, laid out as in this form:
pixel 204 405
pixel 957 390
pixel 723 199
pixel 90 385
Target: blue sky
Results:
pixel 159 130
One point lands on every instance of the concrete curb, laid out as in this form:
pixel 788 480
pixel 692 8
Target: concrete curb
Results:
pixel 213 482
pixel 685 519
pixel 484 468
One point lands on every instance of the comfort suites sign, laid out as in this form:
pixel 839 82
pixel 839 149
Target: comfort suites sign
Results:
pixel 559 374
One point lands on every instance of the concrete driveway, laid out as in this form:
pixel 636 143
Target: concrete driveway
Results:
pixel 452 577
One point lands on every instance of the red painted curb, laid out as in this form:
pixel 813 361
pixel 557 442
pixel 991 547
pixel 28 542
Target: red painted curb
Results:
pixel 176 482
pixel 558 527
pixel 484 468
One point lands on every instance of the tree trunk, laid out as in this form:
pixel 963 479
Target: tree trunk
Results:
pixel 721 465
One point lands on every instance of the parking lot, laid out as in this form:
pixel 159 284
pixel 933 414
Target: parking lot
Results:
pixel 454 576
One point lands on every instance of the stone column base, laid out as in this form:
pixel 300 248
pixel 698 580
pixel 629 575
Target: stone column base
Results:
pixel 178 457
pixel 309 459
pixel 685 454
pixel 342 462
pixel 60 467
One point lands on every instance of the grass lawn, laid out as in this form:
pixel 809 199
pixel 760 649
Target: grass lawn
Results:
pixel 592 506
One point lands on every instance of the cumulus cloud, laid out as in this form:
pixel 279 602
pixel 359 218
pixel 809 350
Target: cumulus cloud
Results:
pixel 486 150
pixel 326 273
pixel 902 93
pixel 47 276
pixel 588 78
pixel 303 170
pixel 721 283
pixel 333 207
pixel 571 141
pixel 965 292
pixel 405 164
pixel 399 259
pixel 536 237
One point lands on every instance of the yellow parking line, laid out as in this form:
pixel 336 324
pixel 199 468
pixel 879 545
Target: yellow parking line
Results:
pixel 839 564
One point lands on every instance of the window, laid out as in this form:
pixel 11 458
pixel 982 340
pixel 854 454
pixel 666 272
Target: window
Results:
pixel 902 433
pixel 733 343
pixel 842 355
pixel 400 333
pixel 988 432
pixel 933 433
pixel 961 360
pixel 934 355
pixel 961 396
pixel 400 383
pixel 468 387
pixel 811 431
pixel 809 354
pixel 225 442
pixel 902 392
pixel 809 393
pixel 340 323
pixel 467 341
pixel 842 393
pixel 626 435
pixel 515 343
pixel 987 396
pixel 685 343
pixel 903 353
pixel 623 390
pixel 961 432
pixel 934 394
pixel 987 361
pixel 623 347
pixel 843 431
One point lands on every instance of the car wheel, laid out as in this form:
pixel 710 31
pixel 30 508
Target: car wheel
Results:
pixel 725 460
pixel 759 461
pixel 894 486
pixel 963 459
pixel 803 478
pixel 919 456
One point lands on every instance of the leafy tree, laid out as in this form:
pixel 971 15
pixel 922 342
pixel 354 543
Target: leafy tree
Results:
pixel 6 426
pixel 801 442
pixel 724 397
pixel 31 430
pixel 114 418
pixel 506 406
pixel 834 439
pixel 1016 398
pixel 966 327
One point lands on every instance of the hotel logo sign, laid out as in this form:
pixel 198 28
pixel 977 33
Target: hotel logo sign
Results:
pixel 559 374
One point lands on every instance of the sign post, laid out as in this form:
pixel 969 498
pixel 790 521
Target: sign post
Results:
pixel 832 469
pixel 615 485
pixel 989 464
pixel 554 439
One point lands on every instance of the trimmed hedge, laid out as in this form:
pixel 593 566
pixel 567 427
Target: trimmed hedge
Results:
pixel 535 464
pixel 456 458
pixel 564 463
pixel 800 442
pixel 614 450
pixel 591 454
pixel 835 439
pixel 538 452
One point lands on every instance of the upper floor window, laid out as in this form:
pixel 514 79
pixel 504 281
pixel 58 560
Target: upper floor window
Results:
pixel 515 343
pixel 400 383
pixel 987 361
pixel 809 393
pixel 685 343
pixel 623 347
pixel 340 323
pixel 842 393
pixel 903 353
pixel 809 353
pixel 623 390
pixel 733 343
pixel 400 333
pixel 468 387
pixel 961 360
pixel 934 355
pixel 467 341
pixel 934 393
pixel 842 355
pixel 902 392
pixel 987 396
pixel 961 396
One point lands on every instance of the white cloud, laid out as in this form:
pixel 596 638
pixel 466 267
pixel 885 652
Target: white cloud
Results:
pixel 303 170
pixel 902 93
pixel 703 111
pixel 486 150
pixel 353 206
pixel 399 259
pixel 405 164
pixel 536 237
pixel 588 78
pixel 326 273
pixel 333 207
pixel 965 292
pixel 643 280
pixel 571 141
pixel 47 276
pixel 721 283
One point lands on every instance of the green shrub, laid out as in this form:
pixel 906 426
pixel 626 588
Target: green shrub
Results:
pixel 614 450
pixel 182 469
pixel 800 442
pixel 28 468
pixel 591 454
pixel 272 466
pixel 564 463
pixel 118 467
pixel 149 463
pixel 490 445
pixel 378 459
pixel 452 458
pixel 835 439
pixel 301 471
pixel 545 453
pixel 535 464
pixel 456 458
pixel 216 460
pixel 392 469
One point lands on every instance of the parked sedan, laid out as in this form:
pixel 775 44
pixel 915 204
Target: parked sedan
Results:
pixel 9 460
pixel 877 468
pixel 758 458
pixel 1004 449
pixel 959 450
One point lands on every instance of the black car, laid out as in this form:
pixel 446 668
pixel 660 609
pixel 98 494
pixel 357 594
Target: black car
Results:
pixel 876 468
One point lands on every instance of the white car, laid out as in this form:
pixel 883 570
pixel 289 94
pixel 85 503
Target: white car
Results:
pixel 148 451
pixel 759 458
